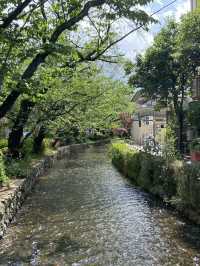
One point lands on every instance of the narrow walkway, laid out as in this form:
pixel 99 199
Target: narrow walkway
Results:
pixel 86 213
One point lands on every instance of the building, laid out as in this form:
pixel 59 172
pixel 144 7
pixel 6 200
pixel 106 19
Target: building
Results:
pixel 147 123
pixel 194 4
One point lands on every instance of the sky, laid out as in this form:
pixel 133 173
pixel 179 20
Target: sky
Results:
pixel 139 41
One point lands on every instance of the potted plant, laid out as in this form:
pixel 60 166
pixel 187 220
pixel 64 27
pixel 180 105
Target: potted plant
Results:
pixel 195 149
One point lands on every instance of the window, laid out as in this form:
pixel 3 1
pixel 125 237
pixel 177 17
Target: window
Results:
pixel 147 120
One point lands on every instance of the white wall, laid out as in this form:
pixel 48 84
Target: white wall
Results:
pixel 139 134
pixel 193 4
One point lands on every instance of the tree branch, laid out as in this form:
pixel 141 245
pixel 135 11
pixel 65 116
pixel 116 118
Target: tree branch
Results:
pixel 13 15
pixel 67 25
pixel 40 58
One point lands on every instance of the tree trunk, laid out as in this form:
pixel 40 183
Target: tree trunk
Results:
pixel 28 73
pixel 16 134
pixel 38 140
pixel 178 108
pixel 181 131
pixel 8 103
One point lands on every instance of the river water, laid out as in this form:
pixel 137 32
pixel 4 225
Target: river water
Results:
pixel 85 213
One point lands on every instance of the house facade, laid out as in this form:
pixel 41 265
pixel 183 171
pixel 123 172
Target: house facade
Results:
pixel 194 4
pixel 147 123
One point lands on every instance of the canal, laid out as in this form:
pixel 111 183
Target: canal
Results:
pixel 85 213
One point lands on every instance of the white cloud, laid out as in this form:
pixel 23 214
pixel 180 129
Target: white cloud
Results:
pixel 182 8
pixel 168 13
pixel 141 40
pixel 136 43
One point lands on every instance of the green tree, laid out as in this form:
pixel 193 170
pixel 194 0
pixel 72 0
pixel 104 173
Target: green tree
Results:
pixel 187 41
pixel 32 31
pixel 166 69
pixel 35 35
pixel 86 100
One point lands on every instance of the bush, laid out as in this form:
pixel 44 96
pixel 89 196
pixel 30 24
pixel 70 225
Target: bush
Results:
pixel 174 181
pixel 170 177
pixel 189 185
pixel 4 180
pixel 98 136
pixel 27 147
pixel 126 160
pixel 133 164
pixel 152 173
pixel 3 143
pixel 47 147
pixel 118 154
pixel 146 176
pixel 169 151
pixel 17 168
pixel 48 142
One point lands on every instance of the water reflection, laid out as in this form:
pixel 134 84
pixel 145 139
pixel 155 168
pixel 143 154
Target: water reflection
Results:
pixel 86 213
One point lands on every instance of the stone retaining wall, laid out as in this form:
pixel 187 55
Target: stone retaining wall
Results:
pixel 12 198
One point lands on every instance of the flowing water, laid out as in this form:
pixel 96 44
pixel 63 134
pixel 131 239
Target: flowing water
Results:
pixel 85 213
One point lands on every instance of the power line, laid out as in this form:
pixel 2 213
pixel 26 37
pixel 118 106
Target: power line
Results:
pixel 137 28
pixel 164 7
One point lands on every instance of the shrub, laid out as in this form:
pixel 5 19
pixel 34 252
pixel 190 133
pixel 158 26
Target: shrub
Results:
pixel 175 180
pixel 146 176
pixel 118 154
pixel 170 175
pixel 98 136
pixel 48 142
pixel 3 143
pixel 27 147
pixel 17 168
pixel 189 185
pixel 150 172
pixel 126 160
pixel 169 151
pixel 133 164
pixel 4 180
pixel 47 146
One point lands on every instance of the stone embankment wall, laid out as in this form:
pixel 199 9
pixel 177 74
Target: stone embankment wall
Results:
pixel 12 198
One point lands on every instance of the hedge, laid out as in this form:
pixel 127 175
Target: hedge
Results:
pixel 177 181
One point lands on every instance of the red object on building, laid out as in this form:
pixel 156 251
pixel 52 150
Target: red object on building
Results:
pixel 120 131
pixel 195 156
pixel 126 120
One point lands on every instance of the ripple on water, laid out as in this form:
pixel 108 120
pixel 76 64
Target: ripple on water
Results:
pixel 86 213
